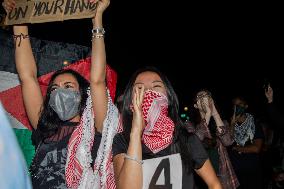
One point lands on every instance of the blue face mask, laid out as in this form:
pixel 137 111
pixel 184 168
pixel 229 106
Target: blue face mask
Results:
pixel 240 110
pixel 65 103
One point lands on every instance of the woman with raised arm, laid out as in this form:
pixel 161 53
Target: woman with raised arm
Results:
pixel 152 130
pixel 72 148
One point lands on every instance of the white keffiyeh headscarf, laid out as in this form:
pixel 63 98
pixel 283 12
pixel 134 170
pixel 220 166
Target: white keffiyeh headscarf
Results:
pixel 78 171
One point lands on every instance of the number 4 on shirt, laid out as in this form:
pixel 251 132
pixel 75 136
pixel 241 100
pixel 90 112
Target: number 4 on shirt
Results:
pixel 163 173
pixel 163 166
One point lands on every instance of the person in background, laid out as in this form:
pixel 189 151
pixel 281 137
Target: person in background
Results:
pixel 276 119
pixel 14 172
pixel 245 151
pixel 273 112
pixel 215 136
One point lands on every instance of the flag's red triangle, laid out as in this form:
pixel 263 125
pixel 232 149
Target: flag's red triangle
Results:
pixel 12 98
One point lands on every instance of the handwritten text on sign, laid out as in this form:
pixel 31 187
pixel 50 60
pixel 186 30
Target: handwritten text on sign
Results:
pixel 163 173
pixel 38 11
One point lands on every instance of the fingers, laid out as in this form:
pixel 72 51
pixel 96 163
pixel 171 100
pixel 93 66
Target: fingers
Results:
pixel 137 103
pixel 12 3
pixel 134 99
pixel 141 95
pixel 199 105
pixel 206 101
pixel 106 2
pixel 8 5
pixel 102 4
pixel 138 96
pixel 211 101
pixel 203 106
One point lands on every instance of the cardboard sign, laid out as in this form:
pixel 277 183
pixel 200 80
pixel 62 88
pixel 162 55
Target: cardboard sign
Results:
pixel 163 173
pixel 38 11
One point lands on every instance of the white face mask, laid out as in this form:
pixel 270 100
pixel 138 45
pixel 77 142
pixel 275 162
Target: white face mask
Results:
pixel 65 103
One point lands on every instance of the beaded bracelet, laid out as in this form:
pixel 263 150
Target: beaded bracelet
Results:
pixel 133 159
pixel 97 36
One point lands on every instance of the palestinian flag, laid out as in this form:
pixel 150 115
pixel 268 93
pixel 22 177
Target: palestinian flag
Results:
pixel 50 56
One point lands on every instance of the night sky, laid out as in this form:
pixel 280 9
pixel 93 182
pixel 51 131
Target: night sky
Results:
pixel 229 49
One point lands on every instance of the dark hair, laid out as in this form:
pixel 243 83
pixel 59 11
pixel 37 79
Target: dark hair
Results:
pixel 49 121
pixel 241 98
pixel 181 135
pixel 119 102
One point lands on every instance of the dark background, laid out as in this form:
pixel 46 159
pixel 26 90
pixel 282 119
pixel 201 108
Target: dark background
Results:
pixel 229 49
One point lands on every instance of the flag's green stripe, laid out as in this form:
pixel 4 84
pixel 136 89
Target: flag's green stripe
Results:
pixel 25 142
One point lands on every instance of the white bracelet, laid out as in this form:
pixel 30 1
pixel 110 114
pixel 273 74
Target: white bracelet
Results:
pixel 98 31
pixel 133 158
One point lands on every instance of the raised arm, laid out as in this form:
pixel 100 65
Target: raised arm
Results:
pixel 128 168
pixel 202 130
pixel 98 67
pixel 27 70
pixel 205 111
pixel 222 131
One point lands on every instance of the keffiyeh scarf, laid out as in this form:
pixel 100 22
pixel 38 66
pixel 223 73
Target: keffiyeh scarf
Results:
pixel 158 132
pixel 245 131
pixel 78 170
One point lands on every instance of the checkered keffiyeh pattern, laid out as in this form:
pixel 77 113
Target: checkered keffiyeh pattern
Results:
pixel 158 133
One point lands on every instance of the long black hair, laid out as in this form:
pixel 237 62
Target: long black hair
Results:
pixel 49 121
pixel 181 135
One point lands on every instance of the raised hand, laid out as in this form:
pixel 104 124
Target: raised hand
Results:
pixel 138 122
pixel 235 118
pixel 203 105
pixel 101 6
pixel 213 107
pixel 8 5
